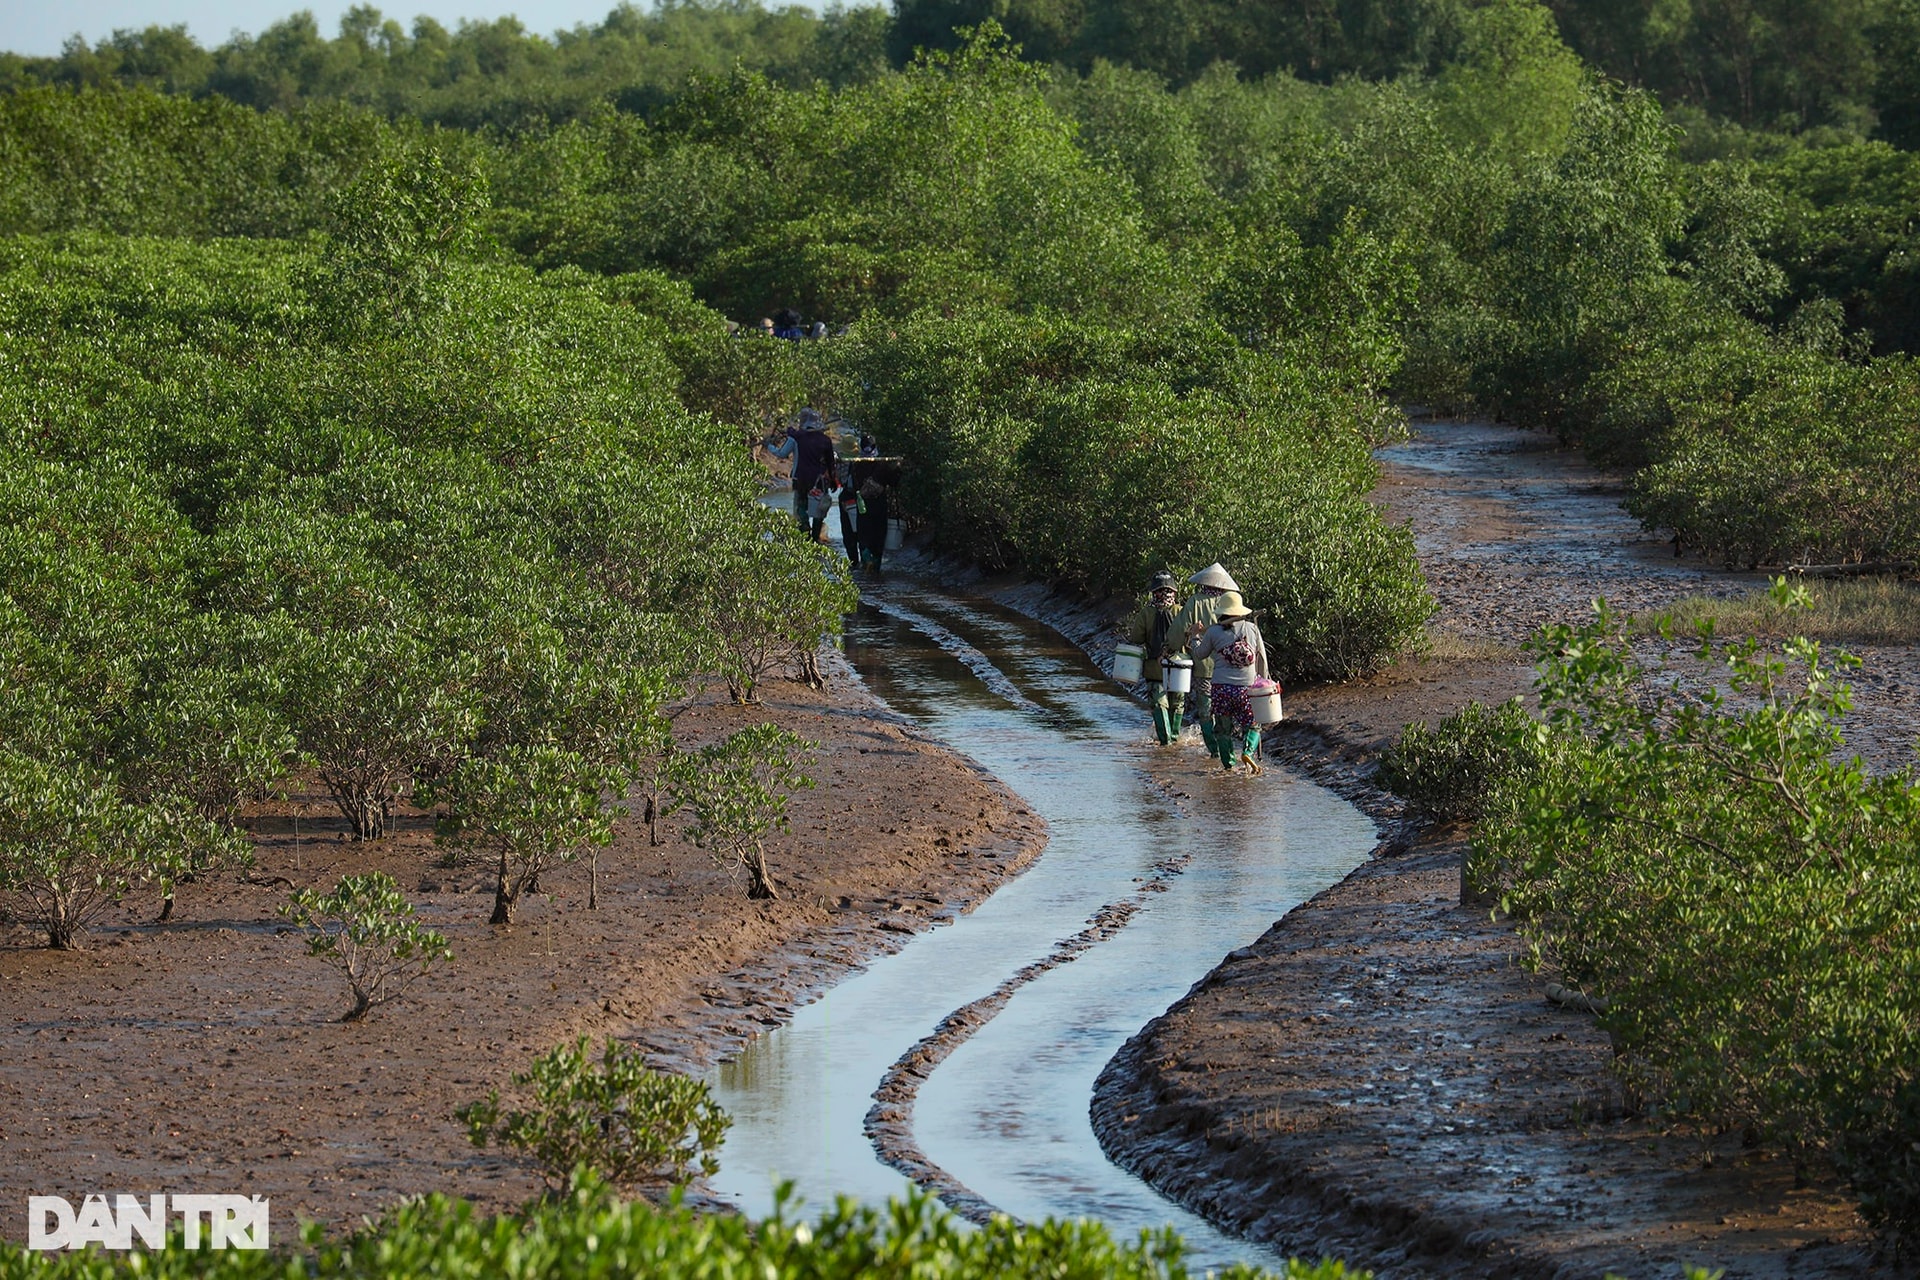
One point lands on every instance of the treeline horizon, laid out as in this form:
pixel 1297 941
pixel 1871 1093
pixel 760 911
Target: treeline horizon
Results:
pixel 1848 69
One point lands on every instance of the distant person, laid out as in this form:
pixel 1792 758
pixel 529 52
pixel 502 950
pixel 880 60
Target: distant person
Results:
pixel 786 324
pixel 850 515
pixel 1154 627
pixel 873 522
pixel 811 448
pixel 1239 656
pixel 1202 608
pixel 766 327
pixel 818 331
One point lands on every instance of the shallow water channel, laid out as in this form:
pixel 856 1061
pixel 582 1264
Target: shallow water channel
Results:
pixel 1006 1114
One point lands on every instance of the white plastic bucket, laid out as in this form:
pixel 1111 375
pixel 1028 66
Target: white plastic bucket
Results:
pixel 896 534
pixel 1266 705
pixel 1178 674
pixel 1127 659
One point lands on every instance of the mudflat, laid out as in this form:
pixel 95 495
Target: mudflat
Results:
pixel 202 1055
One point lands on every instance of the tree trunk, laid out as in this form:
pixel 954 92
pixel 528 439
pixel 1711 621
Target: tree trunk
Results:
pixel 166 907
pixel 502 897
pixel 371 827
pixel 62 933
pixel 360 1006
pixel 762 883
pixel 593 880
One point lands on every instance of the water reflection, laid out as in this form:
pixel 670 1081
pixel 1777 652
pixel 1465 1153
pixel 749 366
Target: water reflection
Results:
pixel 1007 1112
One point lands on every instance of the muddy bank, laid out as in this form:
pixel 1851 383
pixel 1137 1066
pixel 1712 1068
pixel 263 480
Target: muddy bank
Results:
pixel 201 1055
pixel 1378 1078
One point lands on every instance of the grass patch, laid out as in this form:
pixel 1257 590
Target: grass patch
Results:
pixel 1862 610
pixel 1451 646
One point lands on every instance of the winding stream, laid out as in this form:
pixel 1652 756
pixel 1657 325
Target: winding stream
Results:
pixel 1209 862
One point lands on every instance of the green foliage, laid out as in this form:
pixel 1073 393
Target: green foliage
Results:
pixel 1092 455
pixel 588 1232
pixel 1704 857
pixel 768 595
pixel 735 793
pixel 526 810
pixel 1449 771
pixel 368 705
pixel 1846 232
pixel 71 845
pixel 1511 85
pixel 209 728
pixel 455 551
pixel 366 929
pixel 137 162
pixel 395 232
pixel 1582 253
pixel 1772 63
pixel 1773 454
pixel 619 1121
pixel 483 74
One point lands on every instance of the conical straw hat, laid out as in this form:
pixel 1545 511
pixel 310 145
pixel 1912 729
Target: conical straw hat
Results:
pixel 1215 575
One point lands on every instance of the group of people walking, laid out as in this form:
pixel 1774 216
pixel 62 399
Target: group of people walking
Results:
pixel 1216 631
pixel 825 483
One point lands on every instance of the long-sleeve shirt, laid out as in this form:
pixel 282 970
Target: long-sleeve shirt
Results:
pixel 1239 654
pixel 1202 609
pixel 813 458
pixel 1140 629
pixel 812 454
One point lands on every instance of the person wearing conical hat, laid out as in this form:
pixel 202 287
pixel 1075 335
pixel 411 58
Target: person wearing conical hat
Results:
pixel 1153 627
pixel 1199 613
pixel 1239 666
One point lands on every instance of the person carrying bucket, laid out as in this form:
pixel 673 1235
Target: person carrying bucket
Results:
pixel 1239 670
pixel 811 449
pixel 1200 612
pixel 1153 634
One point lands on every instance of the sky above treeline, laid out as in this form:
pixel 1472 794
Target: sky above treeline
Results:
pixel 34 28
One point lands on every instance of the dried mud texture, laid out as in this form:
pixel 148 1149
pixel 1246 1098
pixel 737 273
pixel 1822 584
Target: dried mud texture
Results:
pixel 202 1056
pixel 1378 1078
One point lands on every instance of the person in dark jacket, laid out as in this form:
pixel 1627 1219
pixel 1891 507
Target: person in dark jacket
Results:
pixel 811 448
pixel 850 517
pixel 873 522
pixel 1155 629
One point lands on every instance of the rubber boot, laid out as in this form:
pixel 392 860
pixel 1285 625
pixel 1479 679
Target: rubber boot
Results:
pixel 1162 730
pixel 1228 741
pixel 1206 736
pixel 1250 746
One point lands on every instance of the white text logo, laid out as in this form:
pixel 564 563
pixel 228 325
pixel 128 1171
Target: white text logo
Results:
pixel 225 1222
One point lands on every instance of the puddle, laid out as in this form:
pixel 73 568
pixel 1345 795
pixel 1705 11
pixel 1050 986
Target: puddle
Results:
pixel 1006 1113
